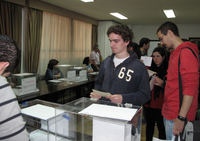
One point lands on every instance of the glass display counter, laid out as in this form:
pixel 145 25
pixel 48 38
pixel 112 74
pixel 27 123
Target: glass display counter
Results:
pixel 87 119
pixel 84 119
pixel 39 116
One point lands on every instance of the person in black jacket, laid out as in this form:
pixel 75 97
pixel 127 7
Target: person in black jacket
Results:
pixel 122 74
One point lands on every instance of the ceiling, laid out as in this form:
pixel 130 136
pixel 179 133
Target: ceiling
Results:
pixel 139 12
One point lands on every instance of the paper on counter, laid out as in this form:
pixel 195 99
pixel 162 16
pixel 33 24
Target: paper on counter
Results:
pixel 23 74
pixel 55 81
pixel 64 65
pixel 146 60
pixel 104 94
pixel 93 73
pixel 40 111
pixel 109 112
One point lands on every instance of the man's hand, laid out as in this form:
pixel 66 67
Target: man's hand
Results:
pixel 178 126
pixel 100 57
pixel 99 51
pixel 134 120
pixel 117 98
pixel 94 95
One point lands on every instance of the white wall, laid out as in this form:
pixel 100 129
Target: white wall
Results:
pixel 103 41
pixel 140 31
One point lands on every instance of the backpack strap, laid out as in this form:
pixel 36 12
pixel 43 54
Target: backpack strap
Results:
pixel 182 136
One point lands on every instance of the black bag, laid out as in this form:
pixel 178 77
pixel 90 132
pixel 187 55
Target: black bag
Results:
pixel 191 131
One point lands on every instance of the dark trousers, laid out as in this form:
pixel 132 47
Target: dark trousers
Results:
pixel 154 116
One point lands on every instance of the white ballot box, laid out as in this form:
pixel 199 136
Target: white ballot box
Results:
pixel 40 120
pixel 77 74
pixel 64 68
pixel 99 121
pixel 25 83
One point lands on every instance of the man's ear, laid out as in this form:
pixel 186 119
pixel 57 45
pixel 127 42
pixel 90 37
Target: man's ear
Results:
pixel 3 65
pixel 127 43
pixel 170 33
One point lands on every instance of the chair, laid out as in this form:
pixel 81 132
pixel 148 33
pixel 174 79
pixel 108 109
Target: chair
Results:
pixel 41 77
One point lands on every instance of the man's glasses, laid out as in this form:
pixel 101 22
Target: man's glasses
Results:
pixel 161 38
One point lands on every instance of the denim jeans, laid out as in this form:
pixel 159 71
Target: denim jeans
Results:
pixel 168 128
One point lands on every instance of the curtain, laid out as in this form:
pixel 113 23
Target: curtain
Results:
pixel 94 35
pixel 33 40
pixel 82 39
pixel 10 23
pixel 56 41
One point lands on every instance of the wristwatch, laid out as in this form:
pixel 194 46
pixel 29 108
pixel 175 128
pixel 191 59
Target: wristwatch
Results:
pixel 181 118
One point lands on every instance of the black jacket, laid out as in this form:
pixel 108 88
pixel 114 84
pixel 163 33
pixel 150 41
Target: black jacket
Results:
pixel 130 79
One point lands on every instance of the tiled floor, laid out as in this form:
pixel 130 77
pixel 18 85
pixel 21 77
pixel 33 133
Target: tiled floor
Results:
pixel 143 132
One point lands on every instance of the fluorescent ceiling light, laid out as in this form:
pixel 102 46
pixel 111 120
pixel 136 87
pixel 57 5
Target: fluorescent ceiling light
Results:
pixel 169 13
pixel 87 0
pixel 118 15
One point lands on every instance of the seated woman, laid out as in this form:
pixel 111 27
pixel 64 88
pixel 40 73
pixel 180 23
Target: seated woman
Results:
pixel 87 62
pixel 53 72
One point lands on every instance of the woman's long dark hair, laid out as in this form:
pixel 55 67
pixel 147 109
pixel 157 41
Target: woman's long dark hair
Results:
pixel 52 62
pixel 86 61
pixel 161 70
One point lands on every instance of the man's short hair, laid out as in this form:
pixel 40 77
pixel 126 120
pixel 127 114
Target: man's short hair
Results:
pixel 9 52
pixel 95 46
pixel 122 30
pixel 144 41
pixel 168 26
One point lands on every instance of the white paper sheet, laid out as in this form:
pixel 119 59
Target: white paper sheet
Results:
pixel 83 74
pixel 109 112
pixel 146 60
pixel 40 111
pixel 101 93
pixel 71 75
pixel 151 72
pixel 28 84
pixel 152 82
pixel 64 65
pixel 55 81
pixel 93 73
pixel 22 74
pixel 78 68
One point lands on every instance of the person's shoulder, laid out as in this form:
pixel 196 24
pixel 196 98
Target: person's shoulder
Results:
pixel 138 63
pixel 2 80
pixel 92 52
pixel 47 70
pixel 107 59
